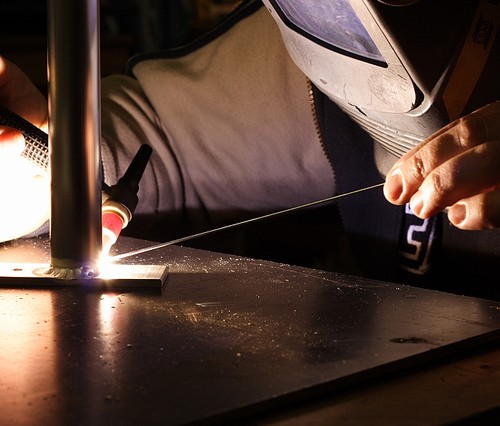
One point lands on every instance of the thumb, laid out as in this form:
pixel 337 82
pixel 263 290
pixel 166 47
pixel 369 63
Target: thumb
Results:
pixel 11 142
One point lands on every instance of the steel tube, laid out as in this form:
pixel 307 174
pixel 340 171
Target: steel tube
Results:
pixel 74 135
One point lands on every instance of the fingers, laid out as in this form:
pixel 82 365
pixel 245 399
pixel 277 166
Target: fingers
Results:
pixel 478 212
pixel 465 175
pixel 11 143
pixel 457 163
pixel 19 94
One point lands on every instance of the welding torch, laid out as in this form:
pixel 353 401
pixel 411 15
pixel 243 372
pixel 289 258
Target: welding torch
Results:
pixel 118 201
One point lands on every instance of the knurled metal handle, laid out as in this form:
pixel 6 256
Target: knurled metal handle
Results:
pixel 37 141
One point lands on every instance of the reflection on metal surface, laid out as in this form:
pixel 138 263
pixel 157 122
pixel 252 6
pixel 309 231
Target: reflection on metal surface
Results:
pixel 112 327
pixel 28 355
pixel 107 312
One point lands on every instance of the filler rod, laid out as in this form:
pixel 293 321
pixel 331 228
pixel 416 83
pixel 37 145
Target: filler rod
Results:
pixel 74 134
pixel 244 222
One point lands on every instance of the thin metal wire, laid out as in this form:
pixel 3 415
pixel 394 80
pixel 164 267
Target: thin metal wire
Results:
pixel 244 222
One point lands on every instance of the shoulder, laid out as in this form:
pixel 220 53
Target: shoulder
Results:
pixel 237 83
pixel 248 13
pixel 243 52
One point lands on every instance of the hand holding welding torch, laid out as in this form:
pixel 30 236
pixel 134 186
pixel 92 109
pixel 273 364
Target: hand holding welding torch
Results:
pixel 24 187
pixel 24 178
pixel 19 94
pixel 456 168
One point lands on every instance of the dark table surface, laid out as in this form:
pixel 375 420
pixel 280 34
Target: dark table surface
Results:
pixel 226 338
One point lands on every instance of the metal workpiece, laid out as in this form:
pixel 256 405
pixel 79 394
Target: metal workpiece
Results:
pixel 74 133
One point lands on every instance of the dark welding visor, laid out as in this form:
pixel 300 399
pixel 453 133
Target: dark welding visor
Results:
pixel 330 23
pixel 402 69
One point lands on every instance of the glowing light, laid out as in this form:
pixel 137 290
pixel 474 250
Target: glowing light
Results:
pixel 107 311
pixel 29 353
pixel 28 196
pixel 107 269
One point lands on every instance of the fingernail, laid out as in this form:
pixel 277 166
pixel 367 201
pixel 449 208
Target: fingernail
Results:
pixel 457 213
pixel 417 203
pixel 393 188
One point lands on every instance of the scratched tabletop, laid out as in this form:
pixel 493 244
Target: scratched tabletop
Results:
pixel 225 337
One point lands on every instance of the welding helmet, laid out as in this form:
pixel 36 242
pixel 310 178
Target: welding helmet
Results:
pixel 402 69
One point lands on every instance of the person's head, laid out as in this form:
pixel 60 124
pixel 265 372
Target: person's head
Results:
pixel 392 64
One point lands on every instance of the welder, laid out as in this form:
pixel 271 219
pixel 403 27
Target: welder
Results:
pixel 286 102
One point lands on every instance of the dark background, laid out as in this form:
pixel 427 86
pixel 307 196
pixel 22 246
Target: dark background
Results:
pixel 127 27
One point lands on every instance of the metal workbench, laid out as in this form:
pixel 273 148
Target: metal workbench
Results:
pixel 224 339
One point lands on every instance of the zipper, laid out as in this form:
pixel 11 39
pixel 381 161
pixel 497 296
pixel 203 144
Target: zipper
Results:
pixel 319 133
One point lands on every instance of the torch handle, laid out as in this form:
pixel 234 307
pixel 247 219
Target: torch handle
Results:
pixel 36 141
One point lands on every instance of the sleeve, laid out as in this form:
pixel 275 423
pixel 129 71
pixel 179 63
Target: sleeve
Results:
pixel 128 121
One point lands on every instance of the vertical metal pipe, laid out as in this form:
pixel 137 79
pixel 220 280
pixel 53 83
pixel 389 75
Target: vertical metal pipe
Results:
pixel 74 132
